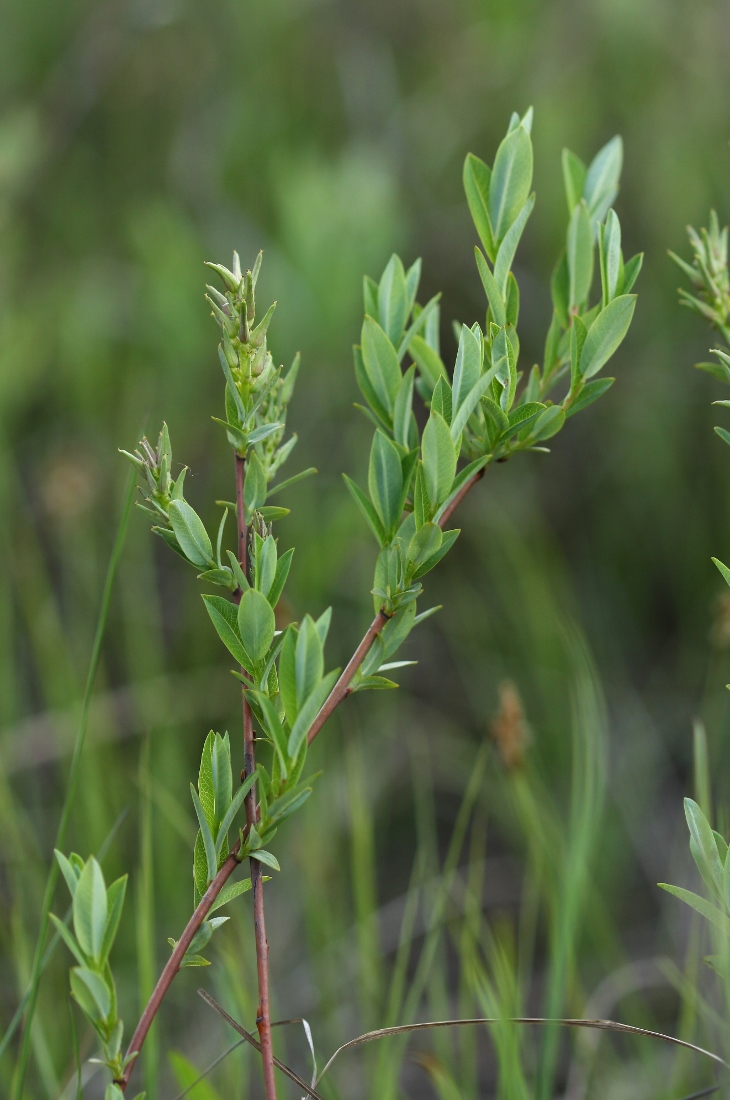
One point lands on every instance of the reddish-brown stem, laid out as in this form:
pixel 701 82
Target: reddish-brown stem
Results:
pixel 336 696
pixel 173 963
pixel 263 1016
pixel 342 687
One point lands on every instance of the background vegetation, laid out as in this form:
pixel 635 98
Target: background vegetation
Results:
pixel 140 137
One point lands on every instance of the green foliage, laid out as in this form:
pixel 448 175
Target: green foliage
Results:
pixel 97 911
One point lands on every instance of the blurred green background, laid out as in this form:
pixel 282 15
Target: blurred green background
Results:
pixel 139 138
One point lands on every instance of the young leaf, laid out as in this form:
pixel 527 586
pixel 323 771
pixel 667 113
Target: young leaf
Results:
pixel 590 393
pixel 424 544
pixel 191 534
pixel 309 659
pixel 385 481
pixel 448 540
pixel 574 175
pixel 376 410
pixel 282 572
pixel 228 893
pixel 288 674
pixel 580 255
pixel 578 335
pixel 92 993
pixel 602 179
pixel 266 565
pixel 221 775
pixel 115 903
pixel 265 857
pixel 393 300
pixel 211 857
pixel 68 939
pixel 610 256
pixel 323 624
pixel 723 569
pixel 494 295
pixel 224 618
pixel 367 509
pixel 468 367
pixel 706 908
pixel 477 176
pixel 428 361
pixel 90 910
pixel 704 849
pixel 230 814
pixel 402 418
pixel 381 364
pixel 468 405
pixel 510 182
pixel 548 424
pixel 254 487
pixel 308 712
pixel 274 729
pixel 606 333
pixel 68 871
pixel 441 399
pixel 508 247
pixel 439 458
pixel 256 625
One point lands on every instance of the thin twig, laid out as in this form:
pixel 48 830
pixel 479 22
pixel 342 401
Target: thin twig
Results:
pixel 173 963
pixel 341 688
pixel 53 870
pixel 263 1018
pixel 309 1089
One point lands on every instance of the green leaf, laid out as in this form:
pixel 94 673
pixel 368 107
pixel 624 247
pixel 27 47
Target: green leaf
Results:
pixel 724 435
pixel 211 857
pixel 291 481
pixel 224 618
pixel 580 255
pixel 523 414
pixel 574 175
pixel 381 364
pixel 221 776
pixel 90 910
pixel 274 729
pixel 254 487
pixel 308 659
pixel 69 872
pixel 308 712
pixel 468 405
pixel 282 572
pixel 477 176
pixel 504 367
pixel 429 361
pixel 402 414
pixel 448 540
pixel 222 577
pixel 461 479
pixel 723 569
pixel 606 333
pixel 265 857
pixel 602 179
pixel 548 424
pixel 385 482
pixel 191 534
pixel 421 321
pixel 508 247
pixel 115 903
pixel 590 393
pixel 92 993
pixel 266 565
pixel 468 369
pixel 228 893
pixel 367 509
pixel 494 295
pixel 441 399
pixel 379 412
pixel 393 300
pixel 288 675
pixel 706 908
pixel 496 420
pixel 374 683
pixel 560 289
pixel 230 814
pixel 610 243
pixel 68 939
pixel 439 458
pixel 258 434
pixel 424 543
pixel 578 333
pixel 256 624
pixel 704 847
pixel 510 183
pixel 632 268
